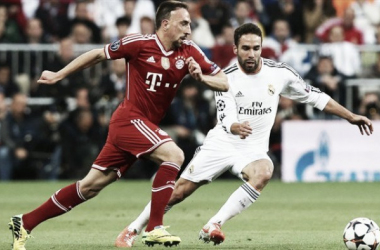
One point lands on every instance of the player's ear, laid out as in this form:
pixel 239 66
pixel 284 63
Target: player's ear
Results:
pixel 165 24
pixel 235 49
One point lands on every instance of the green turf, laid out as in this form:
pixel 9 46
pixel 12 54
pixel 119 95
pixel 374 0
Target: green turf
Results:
pixel 287 216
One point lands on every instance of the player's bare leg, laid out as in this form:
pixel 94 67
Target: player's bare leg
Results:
pixel 170 157
pixel 59 203
pixel 183 189
pixel 256 174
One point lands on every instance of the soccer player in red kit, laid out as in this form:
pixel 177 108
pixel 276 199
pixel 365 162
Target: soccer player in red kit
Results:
pixel 155 66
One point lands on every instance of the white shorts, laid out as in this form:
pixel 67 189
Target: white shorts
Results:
pixel 213 159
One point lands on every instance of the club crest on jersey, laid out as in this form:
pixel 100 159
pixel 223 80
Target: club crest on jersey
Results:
pixel 115 45
pixel 165 63
pixel 191 169
pixel 271 89
pixel 180 62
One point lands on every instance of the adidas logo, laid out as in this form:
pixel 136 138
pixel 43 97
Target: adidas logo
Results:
pixel 151 59
pixel 239 94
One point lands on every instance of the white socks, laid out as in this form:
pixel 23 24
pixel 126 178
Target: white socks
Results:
pixel 143 219
pixel 240 200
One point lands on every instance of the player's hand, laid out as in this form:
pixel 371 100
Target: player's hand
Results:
pixel 364 124
pixel 194 69
pixel 241 129
pixel 48 77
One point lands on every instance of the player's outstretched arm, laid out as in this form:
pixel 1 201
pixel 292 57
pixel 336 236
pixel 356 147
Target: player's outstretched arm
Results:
pixel 241 129
pixel 364 124
pixel 83 61
pixel 217 82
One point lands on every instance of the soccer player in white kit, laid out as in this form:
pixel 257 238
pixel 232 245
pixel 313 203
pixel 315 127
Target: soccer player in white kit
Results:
pixel 239 142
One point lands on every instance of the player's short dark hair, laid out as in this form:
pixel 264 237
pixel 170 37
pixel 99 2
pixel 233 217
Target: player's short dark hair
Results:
pixel 164 10
pixel 247 28
pixel 124 20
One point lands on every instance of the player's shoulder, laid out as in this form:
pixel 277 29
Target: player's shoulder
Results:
pixel 279 66
pixel 137 38
pixel 190 45
pixel 231 69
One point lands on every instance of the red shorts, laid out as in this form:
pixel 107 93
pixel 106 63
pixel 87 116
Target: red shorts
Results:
pixel 127 140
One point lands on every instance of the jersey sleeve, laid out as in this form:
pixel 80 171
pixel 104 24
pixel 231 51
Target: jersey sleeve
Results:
pixel 297 89
pixel 226 109
pixel 127 47
pixel 208 67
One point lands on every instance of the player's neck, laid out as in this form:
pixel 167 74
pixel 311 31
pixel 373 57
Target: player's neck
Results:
pixel 164 40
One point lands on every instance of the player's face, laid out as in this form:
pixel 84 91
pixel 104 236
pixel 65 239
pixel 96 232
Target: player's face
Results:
pixel 248 53
pixel 179 27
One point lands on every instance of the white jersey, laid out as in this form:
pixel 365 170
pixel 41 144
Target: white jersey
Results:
pixel 254 98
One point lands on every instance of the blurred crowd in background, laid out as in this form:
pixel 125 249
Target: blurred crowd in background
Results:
pixel 56 131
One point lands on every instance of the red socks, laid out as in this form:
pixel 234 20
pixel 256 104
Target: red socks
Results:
pixel 60 202
pixel 162 189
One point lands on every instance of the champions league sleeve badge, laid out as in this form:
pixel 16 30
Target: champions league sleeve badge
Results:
pixel 165 63
pixel 115 45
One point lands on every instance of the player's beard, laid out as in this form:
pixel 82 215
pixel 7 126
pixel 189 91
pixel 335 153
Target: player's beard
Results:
pixel 248 68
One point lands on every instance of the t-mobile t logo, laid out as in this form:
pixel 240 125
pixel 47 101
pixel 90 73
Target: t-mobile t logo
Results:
pixel 153 79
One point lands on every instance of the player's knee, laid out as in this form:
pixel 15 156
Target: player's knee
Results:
pixel 89 190
pixel 177 156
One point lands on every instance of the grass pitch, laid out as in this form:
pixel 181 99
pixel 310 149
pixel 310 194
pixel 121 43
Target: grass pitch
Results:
pixel 286 216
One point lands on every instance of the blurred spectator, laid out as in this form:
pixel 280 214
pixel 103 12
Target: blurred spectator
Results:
pixel 135 9
pixel 15 12
pixel 345 55
pixel 67 86
pixel 147 25
pixel 315 12
pixel 341 6
pixel 54 17
pixel 200 29
pixel 81 140
pixel 21 131
pixel 351 33
pixel 122 25
pixel 10 32
pixel 374 70
pixel 217 13
pixel 34 32
pixel 327 78
pixel 81 136
pixel 370 105
pixel 112 85
pixel 83 18
pixel 366 18
pixel 222 52
pixel 290 11
pixel 188 118
pixel 81 33
pixel 241 16
pixel 8 86
pixel 278 41
pixel 102 13
pixel 5 156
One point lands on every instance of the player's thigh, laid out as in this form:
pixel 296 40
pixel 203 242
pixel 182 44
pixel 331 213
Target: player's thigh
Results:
pixel 167 152
pixel 249 166
pixel 112 158
pixel 137 136
pixel 208 164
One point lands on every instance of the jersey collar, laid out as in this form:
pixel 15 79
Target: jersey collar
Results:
pixel 166 53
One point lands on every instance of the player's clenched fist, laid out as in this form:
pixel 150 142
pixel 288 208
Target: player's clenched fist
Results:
pixel 241 129
pixel 48 77
pixel 194 69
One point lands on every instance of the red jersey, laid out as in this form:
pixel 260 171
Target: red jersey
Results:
pixel 152 73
